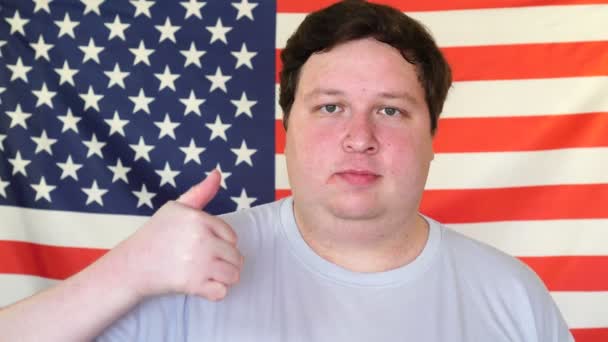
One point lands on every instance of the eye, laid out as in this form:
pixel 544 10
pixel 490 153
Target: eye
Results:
pixel 330 108
pixel 390 111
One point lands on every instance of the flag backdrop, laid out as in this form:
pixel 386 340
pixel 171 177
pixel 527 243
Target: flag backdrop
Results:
pixel 110 108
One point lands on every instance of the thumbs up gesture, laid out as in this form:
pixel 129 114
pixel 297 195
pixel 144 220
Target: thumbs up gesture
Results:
pixel 182 249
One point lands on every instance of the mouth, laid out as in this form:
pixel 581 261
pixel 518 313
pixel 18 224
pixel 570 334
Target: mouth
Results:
pixel 358 177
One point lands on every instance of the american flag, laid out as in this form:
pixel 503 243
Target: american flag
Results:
pixel 110 108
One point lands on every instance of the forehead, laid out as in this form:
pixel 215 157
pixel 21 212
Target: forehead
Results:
pixel 360 66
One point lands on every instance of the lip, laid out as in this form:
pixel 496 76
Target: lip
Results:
pixel 358 177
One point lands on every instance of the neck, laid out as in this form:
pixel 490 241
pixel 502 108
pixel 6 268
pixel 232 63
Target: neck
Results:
pixel 372 245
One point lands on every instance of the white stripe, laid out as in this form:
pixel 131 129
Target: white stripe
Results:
pixel 520 238
pixel 583 309
pixel 14 287
pixel 553 96
pixel 508 169
pixel 66 228
pixel 580 309
pixel 527 97
pixel 521 25
pixel 585 237
pixel 504 169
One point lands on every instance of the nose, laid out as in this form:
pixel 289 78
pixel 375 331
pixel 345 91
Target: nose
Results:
pixel 360 135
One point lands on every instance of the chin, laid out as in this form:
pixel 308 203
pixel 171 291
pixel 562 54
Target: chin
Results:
pixel 355 209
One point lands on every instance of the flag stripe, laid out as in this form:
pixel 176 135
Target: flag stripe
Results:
pixel 524 25
pixel 291 6
pixel 516 98
pixel 14 287
pixel 575 237
pixel 569 273
pixel 512 169
pixel 523 61
pixel 590 335
pixel 528 133
pixel 522 203
pixel 583 309
pixel 45 261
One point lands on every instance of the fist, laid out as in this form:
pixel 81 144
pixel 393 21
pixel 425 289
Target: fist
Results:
pixel 182 249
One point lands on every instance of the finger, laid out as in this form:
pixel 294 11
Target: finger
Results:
pixel 212 290
pixel 228 253
pixel 202 193
pixel 224 272
pixel 221 229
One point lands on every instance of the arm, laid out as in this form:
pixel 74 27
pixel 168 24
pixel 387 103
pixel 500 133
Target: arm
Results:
pixel 179 250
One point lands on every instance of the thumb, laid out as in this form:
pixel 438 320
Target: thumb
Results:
pixel 202 193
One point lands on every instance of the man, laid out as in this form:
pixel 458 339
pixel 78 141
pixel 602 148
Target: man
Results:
pixel 347 257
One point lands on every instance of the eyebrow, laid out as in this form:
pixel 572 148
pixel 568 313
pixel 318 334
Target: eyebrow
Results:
pixel 334 92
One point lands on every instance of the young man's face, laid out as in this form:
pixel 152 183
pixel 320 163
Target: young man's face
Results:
pixel 359 144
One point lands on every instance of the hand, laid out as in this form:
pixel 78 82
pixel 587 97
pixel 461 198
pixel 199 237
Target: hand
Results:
pixel 182 249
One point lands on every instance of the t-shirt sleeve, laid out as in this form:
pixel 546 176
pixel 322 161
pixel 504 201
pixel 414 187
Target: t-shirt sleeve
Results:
pixel 153 320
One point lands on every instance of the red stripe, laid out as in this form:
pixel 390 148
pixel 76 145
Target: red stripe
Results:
pixel 590 335
pixel 529 133
pixel 279 137
pixel 571 273
pixel 45 261
pixel 523 61
pixel 521 203
pixel 299 6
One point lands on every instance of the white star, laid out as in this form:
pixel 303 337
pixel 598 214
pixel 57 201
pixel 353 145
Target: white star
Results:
pixel 66 74
pixel 141 102
pixel 117 28
pixel 243 105
pixel 193 7
pixel 119 172
pixel 91 99
pixel 193 56
pixel 2 43
pixel 18 117
pixel 218 129
pixel 69 168
pixel 192 152
pixel 141 54
pixel 142 7
pixel 243 57
pixel 218 80
pixel 167 176
pixel 43 143
pixel 2 137
pixel 218 32
pixel 167 127
pixel 43 190
pixel 243 154
pixel 66 26
pixel 167 79
pixel 116 76
pixel 19 70
pixel 17 23
pixel 94 194
pixel 245 9
pixel 2 89
pixel 167 31
pixel 141 150
pixel 42 5
pixel 41 48
pixel 116 124
pixel 92 6
pixel 243 202
pixel 91 51
pixel 225 175
pixel 19 164
pixel 192 104
pixel 69 121
pixel 44 96
pixel 3 185
pixel 144 197
pixel 94 146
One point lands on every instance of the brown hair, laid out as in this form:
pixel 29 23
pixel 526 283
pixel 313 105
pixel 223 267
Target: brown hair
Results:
pixel 354 19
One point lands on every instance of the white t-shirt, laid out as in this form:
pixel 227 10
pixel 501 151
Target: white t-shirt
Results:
pixel 457 289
